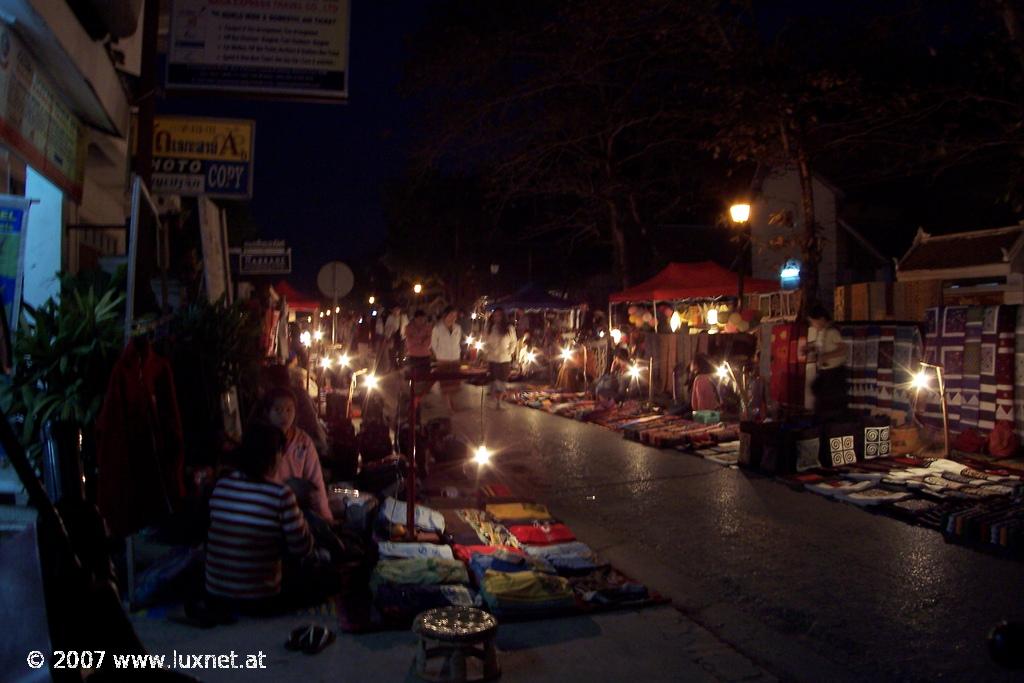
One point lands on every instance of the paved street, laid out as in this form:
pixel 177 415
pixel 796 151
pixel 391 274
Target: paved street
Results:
pixel 811 589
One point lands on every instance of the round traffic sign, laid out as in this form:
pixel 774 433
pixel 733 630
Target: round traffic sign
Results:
pixel 335 279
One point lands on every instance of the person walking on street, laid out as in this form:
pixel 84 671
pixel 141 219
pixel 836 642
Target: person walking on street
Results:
pixel 446 344
pixel 499 345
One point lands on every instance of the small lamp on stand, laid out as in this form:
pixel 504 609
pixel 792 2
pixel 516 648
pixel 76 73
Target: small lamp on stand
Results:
pixel 921 381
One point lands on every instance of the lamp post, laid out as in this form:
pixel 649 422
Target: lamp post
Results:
pixel 740 215
pixel 920 381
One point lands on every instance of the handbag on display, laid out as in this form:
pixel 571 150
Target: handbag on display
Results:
pixel 905 439
pixel 876 437
pixel 841 440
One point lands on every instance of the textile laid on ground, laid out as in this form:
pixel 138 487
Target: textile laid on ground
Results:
pixel 418 571
pixel 505 512
pixel 504 561
pixel 525 593
pixel 542 533
pixel 394 550
pixel 426 519
pixel 488 531
pixel 1018 374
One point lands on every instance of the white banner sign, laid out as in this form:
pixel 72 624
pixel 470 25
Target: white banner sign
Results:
pixel 278 47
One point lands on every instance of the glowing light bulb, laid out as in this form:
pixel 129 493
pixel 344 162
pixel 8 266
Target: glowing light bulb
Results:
pixel 531 357
pixel 675 322
pixel 921 380
pixel 325 362
pixel 616 336
pixel 374 313
pixel 417 288
pixel 469 340
pixel 712 316
pixel 472 316
pixel 566 354
pixel 321 314
pixel 337 309
pixel 740 213
pixel 328 313
pixel 306 338
pixel 372 300
pixel 482 455
pixel 318 335
pixel 309 318
pixel 723 372
pixel 601 334
pixel 479 346
pixel 371 381
pixel 634 371
pixel 344 360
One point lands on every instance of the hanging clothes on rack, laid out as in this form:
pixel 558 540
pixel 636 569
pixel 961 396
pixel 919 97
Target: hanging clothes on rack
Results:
pixel 140 450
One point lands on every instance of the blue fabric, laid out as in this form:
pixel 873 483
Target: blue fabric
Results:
pixel 504 561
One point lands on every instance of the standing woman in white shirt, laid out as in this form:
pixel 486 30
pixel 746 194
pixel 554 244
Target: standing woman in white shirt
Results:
pixel 829 384
pixel 446 345
pixel 499 344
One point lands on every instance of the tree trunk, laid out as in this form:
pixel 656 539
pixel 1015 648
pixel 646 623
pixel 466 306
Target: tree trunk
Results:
pixel 618 245
pixel 811 243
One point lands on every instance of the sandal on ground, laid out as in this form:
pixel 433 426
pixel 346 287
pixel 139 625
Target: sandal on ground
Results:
pixel 319 639
pixel 299 638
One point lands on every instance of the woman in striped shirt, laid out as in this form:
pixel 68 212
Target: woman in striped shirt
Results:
pixel 255 525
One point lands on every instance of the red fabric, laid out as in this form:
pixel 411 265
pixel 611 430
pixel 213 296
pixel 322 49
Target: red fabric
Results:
pixel 139 445
pixel 296 300
pixel 788 365
pixel 692 281
pixel 969 441
pixel 465 553
pixel 1003 442
pixel 542 534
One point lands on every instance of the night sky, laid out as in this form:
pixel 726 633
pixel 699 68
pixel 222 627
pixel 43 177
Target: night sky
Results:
pixel 320 169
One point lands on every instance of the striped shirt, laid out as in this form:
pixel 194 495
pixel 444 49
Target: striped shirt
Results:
pixel 252 526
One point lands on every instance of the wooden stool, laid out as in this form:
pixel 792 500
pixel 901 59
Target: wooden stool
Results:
pixel 456 633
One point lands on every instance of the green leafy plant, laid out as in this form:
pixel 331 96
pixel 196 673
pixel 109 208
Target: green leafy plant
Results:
pixel 64 352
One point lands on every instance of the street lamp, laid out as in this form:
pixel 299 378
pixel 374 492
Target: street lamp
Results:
pixel 740 215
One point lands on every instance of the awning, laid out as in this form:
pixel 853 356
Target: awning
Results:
pixel 701 280
pixel 532 298
pixel 296 300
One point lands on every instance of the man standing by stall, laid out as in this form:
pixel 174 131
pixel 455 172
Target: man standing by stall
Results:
pixel 446 344
pixel 829 352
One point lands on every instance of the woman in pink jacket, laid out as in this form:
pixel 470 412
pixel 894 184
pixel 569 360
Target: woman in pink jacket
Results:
pixel 301 460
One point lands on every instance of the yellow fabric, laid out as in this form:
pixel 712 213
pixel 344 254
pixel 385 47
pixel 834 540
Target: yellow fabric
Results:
pixel 525 587
pixel 505 511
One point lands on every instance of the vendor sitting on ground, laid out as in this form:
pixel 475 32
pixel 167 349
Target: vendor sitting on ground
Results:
pixel 300 466
pixel 704 393
pixel 254 524
pixel 613 385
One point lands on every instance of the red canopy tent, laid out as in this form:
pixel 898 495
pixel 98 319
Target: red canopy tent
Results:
pixel 296 301
pixel 701 280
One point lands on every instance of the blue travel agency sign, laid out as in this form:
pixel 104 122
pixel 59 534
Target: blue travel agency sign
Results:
pixel 202 156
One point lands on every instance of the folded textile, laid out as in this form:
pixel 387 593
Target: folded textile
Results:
pixel 427 519
pixel 488 531
pixel 523 593
pixel 874 497
pixel 838 487
pixel 541 534
pixel 464 553
pixel 418 571
pixel 608 587
pixel 570 549
pixel 401 603
pixel 395 550
pixel 504 512
pixel 504 561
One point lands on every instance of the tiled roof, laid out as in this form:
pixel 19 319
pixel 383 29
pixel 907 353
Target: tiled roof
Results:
pixel 962 249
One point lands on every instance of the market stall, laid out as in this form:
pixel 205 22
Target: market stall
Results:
pixel 681 309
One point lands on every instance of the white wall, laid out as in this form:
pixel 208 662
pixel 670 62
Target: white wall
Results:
pixel 780 192
pixel 43 240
